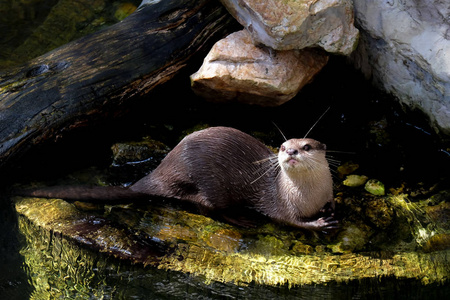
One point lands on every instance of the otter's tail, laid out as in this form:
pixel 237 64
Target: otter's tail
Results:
pixel 86 193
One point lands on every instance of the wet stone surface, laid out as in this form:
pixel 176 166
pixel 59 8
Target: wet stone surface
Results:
pixel 173 237
pixel 401 235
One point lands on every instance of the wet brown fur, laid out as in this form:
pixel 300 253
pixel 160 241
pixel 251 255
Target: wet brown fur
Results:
pixel 224 169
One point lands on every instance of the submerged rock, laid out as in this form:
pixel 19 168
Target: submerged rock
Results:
pixel 135 152
pixel 352 238
pixel 237 70
pixel 347 168
pixel 375 187
pixel 379 213
pixel 355 180
pixel 175 240
pixel 286 25
pixel 440 213
pixel 404 49
pixel 437 242
pixel 93 231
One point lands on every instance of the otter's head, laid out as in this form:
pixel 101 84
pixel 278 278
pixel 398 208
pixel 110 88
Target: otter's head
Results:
pixel 299 155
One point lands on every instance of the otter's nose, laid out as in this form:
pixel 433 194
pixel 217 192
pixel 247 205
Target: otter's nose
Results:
pixel 291 151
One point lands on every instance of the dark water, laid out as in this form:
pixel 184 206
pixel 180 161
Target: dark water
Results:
pixel 347 127
pixel 13 278
pixel 363 124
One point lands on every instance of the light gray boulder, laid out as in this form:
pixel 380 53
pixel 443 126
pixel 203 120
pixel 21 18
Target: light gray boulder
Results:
pixel 405 49
pixel 291 24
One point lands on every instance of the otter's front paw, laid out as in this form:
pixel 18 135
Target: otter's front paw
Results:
pixel 326 223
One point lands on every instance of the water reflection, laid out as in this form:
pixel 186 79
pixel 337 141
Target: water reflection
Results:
pixel 60 269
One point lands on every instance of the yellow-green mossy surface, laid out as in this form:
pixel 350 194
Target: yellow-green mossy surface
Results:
pixel 195 244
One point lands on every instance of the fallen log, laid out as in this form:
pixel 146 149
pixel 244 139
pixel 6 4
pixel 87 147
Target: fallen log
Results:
pixel 92 76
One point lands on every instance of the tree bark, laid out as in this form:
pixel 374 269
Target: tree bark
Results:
pixel 90 77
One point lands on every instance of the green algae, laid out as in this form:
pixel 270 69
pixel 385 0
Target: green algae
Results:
pixel 135 152
pixel 381 236
pixel 437 242
pixel 355 180
pixel 218 252
pixel 94 231
pixel 306 269
pixel 124 10
pixel 352 238
pixel 375 187
pixel 54 24
pixel 379 212
pixel 347 168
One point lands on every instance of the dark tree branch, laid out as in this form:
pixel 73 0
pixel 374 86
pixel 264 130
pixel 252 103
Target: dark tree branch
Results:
pixel 85 79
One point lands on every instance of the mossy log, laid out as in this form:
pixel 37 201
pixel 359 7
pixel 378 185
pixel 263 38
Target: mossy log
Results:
pixel 172 239
pixel 91 77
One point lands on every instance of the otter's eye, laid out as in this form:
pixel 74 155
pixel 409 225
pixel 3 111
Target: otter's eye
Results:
pixel 282 148
pixel 307 147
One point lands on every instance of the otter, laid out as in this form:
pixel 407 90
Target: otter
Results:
pixel 223 170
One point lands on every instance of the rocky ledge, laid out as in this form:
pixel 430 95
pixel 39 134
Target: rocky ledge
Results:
pixel 404 48
pixel 237 70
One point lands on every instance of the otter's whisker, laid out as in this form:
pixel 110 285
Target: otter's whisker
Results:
pixel 268 170
pixel 270 158
pixel 272 162
pixel 314 125
pixel 330 159
pixel 334 164
pixel 281 132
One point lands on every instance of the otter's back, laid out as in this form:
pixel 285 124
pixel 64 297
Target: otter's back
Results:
pixel 216 167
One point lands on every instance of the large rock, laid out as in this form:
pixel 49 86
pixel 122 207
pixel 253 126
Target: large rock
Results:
pixel 405 49
pixel 236 70
pixel 290 24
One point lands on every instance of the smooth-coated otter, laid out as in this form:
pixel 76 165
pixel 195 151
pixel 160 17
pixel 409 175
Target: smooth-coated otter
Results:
pixel 223 169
